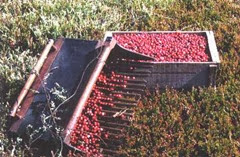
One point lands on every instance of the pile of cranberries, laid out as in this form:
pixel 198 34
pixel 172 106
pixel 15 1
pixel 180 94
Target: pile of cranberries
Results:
pixel 166 47
pixel 88 133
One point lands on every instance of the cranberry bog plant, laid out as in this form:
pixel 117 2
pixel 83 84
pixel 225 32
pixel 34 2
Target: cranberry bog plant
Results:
pixel 199 122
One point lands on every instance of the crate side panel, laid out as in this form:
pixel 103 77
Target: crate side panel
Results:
pixel 178 75
pixel 178 67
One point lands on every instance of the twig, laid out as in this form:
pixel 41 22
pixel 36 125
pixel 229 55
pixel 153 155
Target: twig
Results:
pixel 119 113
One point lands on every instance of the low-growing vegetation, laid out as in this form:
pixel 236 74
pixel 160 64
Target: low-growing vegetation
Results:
pixel 203 122
pixel 199 122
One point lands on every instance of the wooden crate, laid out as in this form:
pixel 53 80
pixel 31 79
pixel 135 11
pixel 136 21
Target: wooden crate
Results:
pixel 182 74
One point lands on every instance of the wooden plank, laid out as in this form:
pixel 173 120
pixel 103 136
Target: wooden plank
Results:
pixel 212 47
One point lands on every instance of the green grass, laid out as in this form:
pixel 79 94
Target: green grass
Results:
pixel 210 127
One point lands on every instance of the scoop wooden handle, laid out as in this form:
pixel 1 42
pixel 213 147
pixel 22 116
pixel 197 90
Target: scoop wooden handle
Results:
pixel 32 77
pixel 87 91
